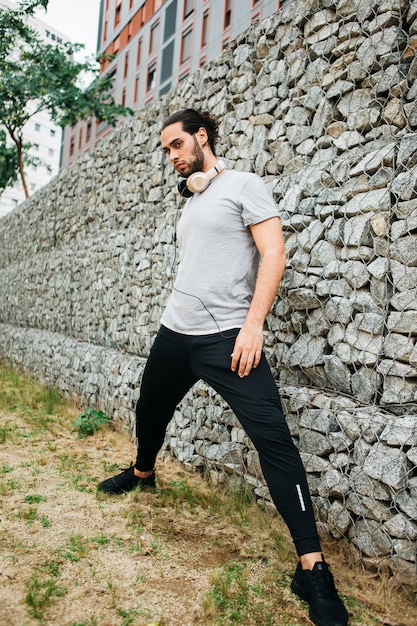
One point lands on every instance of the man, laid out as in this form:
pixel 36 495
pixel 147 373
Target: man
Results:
pixel 232 258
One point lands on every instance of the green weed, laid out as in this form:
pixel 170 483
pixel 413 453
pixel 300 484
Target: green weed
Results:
pixel 45 521
pixel 179 492
pixel 102 540
pixel 91 622
pixel 233 600
pixel 30 514
pixel 88 422
pixel 5 430
pixel 76 549
pixel 42 587
pixel 35 499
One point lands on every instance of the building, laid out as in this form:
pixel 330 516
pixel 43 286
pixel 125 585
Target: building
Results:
pixel 44 135
pixel 156 44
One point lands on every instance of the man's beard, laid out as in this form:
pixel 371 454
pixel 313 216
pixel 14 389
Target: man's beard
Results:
pixel 197 159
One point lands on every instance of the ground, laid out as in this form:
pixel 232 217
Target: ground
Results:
pixel 189 554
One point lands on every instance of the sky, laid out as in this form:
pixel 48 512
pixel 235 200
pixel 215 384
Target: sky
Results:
pixel 77 19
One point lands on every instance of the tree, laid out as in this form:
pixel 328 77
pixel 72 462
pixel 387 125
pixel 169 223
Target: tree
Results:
pixel 35 76
pixel 8 163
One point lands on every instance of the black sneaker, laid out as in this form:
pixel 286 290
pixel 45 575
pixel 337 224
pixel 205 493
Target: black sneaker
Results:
pixel 318 589
pixel 126 481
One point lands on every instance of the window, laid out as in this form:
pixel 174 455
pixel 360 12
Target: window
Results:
pixel 52 132
pixel 49 170
pixel 126 66
pixel 186 45
pixel 188 8
pixel 136 92
pixel 72 146
pixel 153 41
pixel 80 139
pixel 37 127
pixel 51 152
pixel 167 61
pixel 117 13
pixel 14 202
pixel 124 97
pixel 35 147
pixel 88 130
pixel 165 89
pixel 204 29
pixel 170 20
pixel 139 52
pixel 151 79
pixel 227 14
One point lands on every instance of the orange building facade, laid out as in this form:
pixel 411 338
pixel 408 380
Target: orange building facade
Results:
pixel 154 45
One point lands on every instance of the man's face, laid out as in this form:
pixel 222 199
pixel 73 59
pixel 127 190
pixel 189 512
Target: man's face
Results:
pixel 183 150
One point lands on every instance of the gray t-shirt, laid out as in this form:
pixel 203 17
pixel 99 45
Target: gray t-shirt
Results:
pixel 218 257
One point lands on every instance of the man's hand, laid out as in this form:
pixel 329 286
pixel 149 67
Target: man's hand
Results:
pixel 247 350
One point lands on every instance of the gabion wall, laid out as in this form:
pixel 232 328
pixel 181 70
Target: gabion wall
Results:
pixel 320 100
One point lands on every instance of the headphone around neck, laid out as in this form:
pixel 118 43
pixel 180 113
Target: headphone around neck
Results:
pixel 199 181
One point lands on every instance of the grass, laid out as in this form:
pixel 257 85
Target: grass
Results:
pixel 190 554
pixel 42 586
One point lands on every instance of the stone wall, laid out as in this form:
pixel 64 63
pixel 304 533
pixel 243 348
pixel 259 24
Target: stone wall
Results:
pixel 320 101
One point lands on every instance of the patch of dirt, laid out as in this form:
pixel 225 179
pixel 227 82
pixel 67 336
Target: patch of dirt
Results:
pixel 72 557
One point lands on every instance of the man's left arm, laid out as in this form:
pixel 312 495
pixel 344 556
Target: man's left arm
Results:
pixel 269 240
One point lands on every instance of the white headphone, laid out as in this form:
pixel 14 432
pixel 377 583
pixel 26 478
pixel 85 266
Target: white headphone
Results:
pixel 199 181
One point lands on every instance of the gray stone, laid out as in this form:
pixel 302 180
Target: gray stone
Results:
pixel 407 503
pixel 398 346
pixel 313 442
pixel 377 200
pixel 366 507
pixel 404 250
pixel 338 520
pixel 365 382
pixel 334 484
pixel 313 463
pixel 404 226
pixel 401 432
pixel 356 274
pixel 403 322
pixel 338 374
pixel 363 484
pixel 412 455
pixel 369 538
pixel 306 351
pixel 404 278
pixel 400 526
pixel 405 184
pixel 321 420
pixel 397 391
pixel 387 465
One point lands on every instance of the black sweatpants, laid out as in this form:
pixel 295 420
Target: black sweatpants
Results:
pixel 175 363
